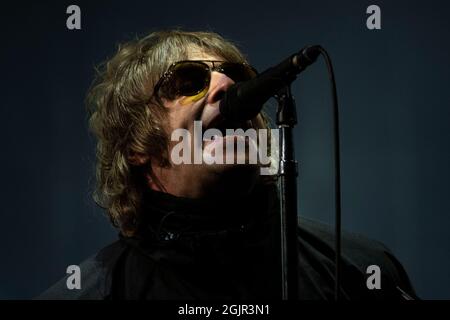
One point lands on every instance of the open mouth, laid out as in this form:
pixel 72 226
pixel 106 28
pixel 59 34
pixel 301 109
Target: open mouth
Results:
pixel 226 136
pixel 221 124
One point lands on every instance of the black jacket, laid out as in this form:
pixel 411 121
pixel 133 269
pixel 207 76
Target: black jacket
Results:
pixel 229 250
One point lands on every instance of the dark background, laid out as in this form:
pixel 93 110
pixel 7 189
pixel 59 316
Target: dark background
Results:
pixel 394 99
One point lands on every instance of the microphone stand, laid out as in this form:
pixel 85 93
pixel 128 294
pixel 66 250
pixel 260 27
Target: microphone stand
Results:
pixel 288 172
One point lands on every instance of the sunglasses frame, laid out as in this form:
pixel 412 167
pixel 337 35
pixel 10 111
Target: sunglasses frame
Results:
pixel 170 71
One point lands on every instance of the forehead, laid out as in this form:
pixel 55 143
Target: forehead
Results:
pixel 200 54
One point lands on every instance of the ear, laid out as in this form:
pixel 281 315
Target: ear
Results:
pixel 137 158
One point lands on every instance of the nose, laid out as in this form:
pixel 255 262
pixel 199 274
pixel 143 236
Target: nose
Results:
pixel 218 86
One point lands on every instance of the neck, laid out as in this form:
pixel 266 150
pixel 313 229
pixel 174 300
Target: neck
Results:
pixel 166 216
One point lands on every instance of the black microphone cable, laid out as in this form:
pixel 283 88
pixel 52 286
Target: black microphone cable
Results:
pixel 314 51
pixel 337 172
pixel 244 101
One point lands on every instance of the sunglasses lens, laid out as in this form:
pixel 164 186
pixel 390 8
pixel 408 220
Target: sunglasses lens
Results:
pixel 187 79
pixel 238 72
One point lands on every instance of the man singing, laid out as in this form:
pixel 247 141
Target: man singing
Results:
pixel 199 229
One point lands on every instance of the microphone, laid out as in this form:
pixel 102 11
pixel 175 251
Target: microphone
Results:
pixel 244 100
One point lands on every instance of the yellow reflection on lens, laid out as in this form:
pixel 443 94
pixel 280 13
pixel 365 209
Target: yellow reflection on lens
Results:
pixel 191 99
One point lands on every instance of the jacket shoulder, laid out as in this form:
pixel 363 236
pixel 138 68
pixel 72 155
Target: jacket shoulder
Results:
pixel 96 277
pixel 359 252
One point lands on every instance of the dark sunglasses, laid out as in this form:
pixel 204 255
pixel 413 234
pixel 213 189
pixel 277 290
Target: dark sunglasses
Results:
pixel 190 77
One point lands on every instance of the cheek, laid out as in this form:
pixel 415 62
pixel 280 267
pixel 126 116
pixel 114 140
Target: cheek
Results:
pixel 180 117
